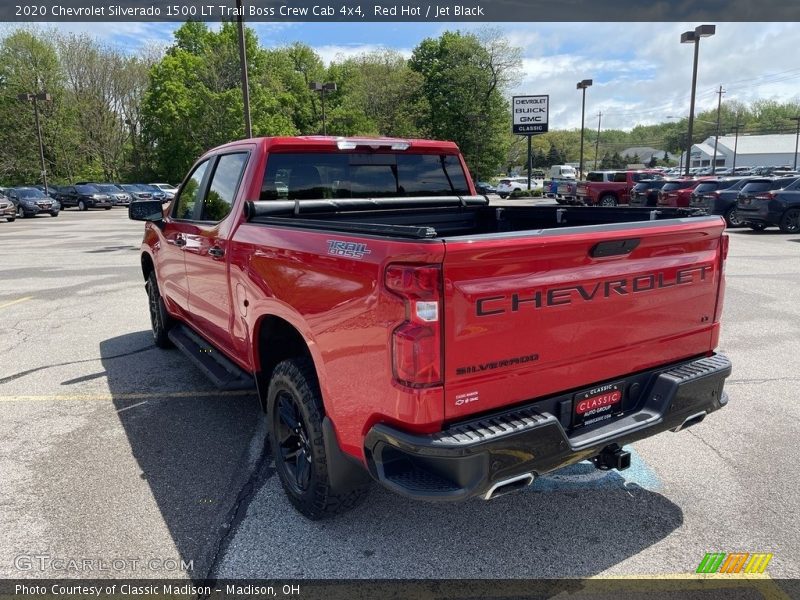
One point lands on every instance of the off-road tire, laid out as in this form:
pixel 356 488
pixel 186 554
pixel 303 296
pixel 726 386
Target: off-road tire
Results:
pixel 160 321
pixel 296 379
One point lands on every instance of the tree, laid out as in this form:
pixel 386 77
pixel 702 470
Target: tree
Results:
pixel 194 99
pixel 653 162
pixel 463 86
pixel 29 64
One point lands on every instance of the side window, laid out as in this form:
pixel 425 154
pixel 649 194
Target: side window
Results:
pixel 191 192
pixel 224 183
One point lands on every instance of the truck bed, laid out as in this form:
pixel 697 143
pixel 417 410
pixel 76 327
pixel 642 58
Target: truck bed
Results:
pixel 444 217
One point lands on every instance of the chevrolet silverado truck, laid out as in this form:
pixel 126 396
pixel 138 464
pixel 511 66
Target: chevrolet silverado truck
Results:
pixel 610 189
pixel 398 328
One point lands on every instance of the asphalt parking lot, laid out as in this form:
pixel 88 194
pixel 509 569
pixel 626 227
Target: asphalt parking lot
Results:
pixel 114 450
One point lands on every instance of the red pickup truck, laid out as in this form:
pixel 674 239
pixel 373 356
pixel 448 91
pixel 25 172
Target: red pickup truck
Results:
pixel 398 328
pixel 604 188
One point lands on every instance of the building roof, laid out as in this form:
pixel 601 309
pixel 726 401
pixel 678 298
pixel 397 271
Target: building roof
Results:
pixel 643 152
pixel 757 144
pixel 708 148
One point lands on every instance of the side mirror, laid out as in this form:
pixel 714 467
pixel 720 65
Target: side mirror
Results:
pixel 146 210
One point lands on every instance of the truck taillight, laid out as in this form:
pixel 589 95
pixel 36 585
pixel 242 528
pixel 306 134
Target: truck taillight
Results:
pixel 417 342
pixel 767 196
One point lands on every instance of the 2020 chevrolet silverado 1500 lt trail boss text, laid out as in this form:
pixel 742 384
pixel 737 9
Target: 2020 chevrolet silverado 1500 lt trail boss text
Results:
pixel 399 328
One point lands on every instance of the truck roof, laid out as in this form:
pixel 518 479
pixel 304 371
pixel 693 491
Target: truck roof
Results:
pixel 321 142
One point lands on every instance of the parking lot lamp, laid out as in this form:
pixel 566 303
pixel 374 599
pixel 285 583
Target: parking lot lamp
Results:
pixel 35 99
pixel 582 85
pixel 248 124
pixel 693 37
pixel 316 86
pixel 796 140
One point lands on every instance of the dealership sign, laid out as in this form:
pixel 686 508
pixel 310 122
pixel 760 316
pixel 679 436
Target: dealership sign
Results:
pixel 530 114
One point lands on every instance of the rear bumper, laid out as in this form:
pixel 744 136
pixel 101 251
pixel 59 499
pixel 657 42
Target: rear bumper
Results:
pixel 759 214
pixel 469 458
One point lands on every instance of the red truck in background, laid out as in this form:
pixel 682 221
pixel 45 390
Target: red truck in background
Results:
pixel 398 328
pixel 610 188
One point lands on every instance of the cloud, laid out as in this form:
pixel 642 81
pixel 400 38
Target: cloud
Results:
pixel 337 52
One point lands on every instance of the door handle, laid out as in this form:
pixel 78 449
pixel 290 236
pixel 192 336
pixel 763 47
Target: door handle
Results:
pixel 216 252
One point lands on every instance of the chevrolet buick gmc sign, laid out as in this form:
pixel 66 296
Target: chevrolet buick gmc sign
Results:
pixel 530 114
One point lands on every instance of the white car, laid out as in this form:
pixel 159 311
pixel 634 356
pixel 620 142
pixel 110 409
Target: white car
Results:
pixel 509 185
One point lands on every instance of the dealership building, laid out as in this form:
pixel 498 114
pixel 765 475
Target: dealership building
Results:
pixel 750 150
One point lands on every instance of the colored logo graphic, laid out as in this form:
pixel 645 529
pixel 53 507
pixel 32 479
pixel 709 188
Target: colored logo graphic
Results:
pixel 738 562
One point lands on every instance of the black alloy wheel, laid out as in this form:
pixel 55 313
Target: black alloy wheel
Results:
pixel 293 443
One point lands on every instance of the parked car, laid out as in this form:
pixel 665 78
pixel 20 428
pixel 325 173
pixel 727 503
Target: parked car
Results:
pixel 720 201
pixel 137 193
pixel 169 190
pixel 677 192
pixel 466 387
pixel 119 197
pixel 770 201
pixel 484 187
pixel 8 210
pixel 31 201
pixel 509 185
pixel 157 193
pixel 84 197
pixel 645 193
pixel 52 190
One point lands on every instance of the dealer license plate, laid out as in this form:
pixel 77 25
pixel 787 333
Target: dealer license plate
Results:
pixel 597 404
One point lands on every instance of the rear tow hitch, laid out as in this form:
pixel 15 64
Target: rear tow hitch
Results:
pixel 612 457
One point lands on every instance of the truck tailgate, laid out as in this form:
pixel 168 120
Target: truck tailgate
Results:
pixel 531 314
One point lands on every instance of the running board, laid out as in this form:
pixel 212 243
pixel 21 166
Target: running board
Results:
pixel 223 373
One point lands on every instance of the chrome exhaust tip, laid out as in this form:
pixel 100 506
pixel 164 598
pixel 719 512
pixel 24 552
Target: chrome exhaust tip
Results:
pixel 506 486
pixel 691 420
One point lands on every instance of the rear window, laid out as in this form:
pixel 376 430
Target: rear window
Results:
pixel 707 186
pixel 319 175
pixel 505 182
pixel 671 186
pixel 649 185
pixel 757 186
pixel 640 176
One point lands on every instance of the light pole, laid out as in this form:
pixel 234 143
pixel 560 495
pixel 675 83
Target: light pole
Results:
pixel 317 86
pixel 693 37
pixel 582 85
pixel 736 128
pixel 716 137
pixel 597 139
pixel 248 125
pixel 796 140
pixel 34 98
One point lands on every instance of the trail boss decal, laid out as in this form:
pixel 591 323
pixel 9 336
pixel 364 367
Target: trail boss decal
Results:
pixel 562 296
pixel 348 249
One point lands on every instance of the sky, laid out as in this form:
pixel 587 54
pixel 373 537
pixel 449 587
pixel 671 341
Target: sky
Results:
pixel 641 72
